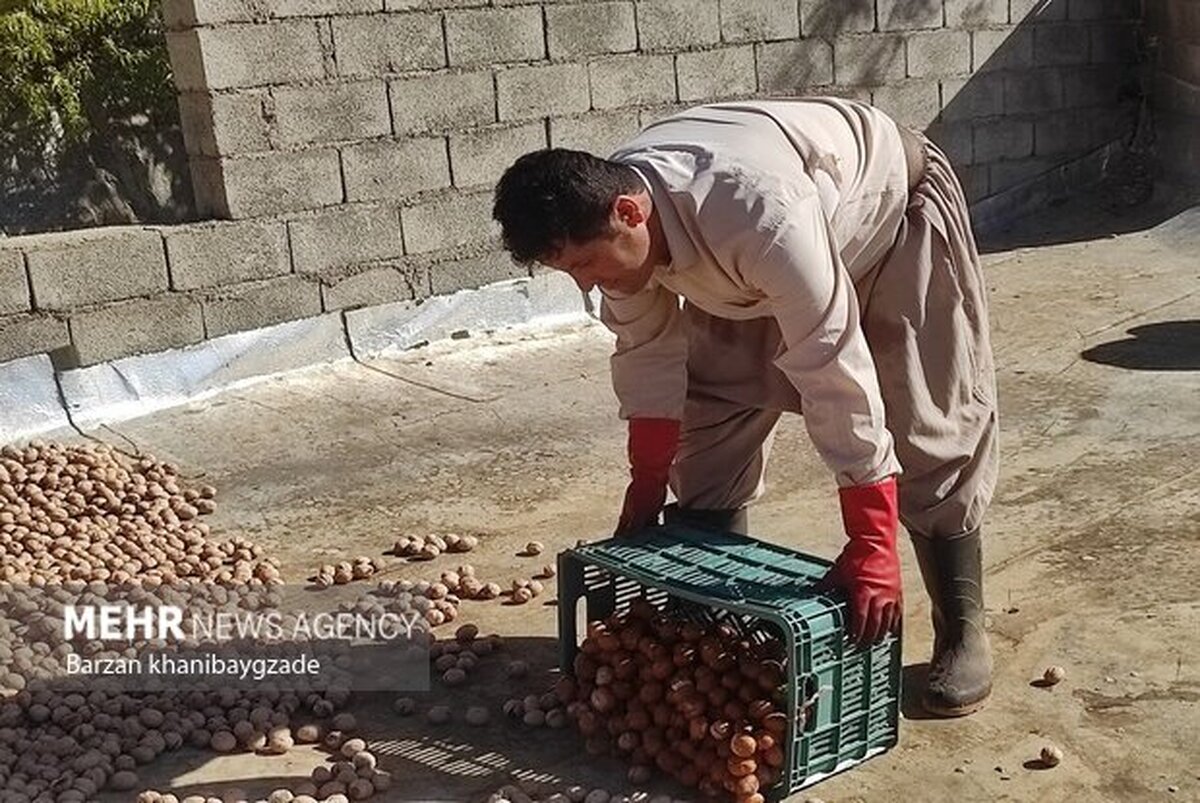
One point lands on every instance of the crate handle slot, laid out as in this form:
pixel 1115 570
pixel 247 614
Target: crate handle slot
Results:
pixel 810 694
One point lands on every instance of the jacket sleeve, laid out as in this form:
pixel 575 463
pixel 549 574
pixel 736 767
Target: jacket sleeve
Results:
pixel 649 363
pixel 824 351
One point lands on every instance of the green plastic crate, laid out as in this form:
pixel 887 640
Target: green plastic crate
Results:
pixel 851 696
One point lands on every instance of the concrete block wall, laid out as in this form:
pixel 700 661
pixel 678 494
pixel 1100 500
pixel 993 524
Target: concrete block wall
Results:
pixel 100 294
pixel 351 145
pixel 1175 25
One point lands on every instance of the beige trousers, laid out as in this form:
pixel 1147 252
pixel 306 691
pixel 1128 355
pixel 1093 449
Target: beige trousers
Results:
pixel 924 312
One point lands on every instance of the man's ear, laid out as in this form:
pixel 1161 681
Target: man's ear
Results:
pixel 627 210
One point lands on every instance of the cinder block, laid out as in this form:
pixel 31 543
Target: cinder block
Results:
pixel 473 272
pixel 1107 9
pixel 381 285
pixel 542 91
pixel 36 333
pixel 599 133
pixel 1177 142
pixel 589 29
pixel 759 20
pixel 1182 60
pixel 324 8
pixel 726 72
pixel 331 112
pixel 345 237
pixel 1032 91
pixel 975 182
pixel 187 61
pixel 1061 133
pixel 794 68
pixel 253 305
pixel 939 53
pixel 495 35
pixel 209 254
pixel 908 15
pixel 1060 44
pixel 437 102
pixel 390 169
pixel 89 266
pixel 632 80
pixel 976 13
pixel 970 98
pixel 481 156
pixel 268 183
pixel 1009 174
pixel 914 103
pixel 244 55
pixel 14 284
pixel 142 326
pixel 1001 49
pixel 226 124
pixel 1033 11
pixel 868 60
pixel 1109 125
pixel 677 24
pixel 379 44
pixel 1177 96
pixel 830 18
pixel 1117 44
pixel 450 222
pixel 1003 139
pixel 955 140
pixel 1154 15
pixel 425 5
pixel 180 14
pixel 1182 19
pixel 1093 86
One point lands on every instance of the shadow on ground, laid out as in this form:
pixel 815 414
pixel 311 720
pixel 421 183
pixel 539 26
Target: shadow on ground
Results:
pixel 450 763
pixel 1166 346
pixel 1088 216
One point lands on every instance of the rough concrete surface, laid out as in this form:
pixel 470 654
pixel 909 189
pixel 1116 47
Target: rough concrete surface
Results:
pixel 1091 552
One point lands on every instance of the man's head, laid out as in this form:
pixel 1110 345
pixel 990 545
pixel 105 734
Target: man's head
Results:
pixel 581 214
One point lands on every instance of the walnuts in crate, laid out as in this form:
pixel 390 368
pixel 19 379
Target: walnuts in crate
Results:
pixel 698 702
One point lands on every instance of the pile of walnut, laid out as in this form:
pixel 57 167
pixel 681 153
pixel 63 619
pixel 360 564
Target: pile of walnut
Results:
pixel 84 524
pixel 87 512
pixel 701 704
pixel 67 747
pixel 575 794
pixel 62 742
pixel 427 547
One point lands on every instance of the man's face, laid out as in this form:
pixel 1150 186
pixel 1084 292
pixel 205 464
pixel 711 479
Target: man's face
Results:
pixel 619 260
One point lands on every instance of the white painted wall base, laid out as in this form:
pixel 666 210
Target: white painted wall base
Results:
pixel 30 404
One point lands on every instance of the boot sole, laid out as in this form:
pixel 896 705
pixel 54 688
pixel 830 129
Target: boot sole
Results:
pixel 955 711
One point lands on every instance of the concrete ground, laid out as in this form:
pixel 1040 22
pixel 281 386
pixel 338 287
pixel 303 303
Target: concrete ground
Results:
pixel 1092 544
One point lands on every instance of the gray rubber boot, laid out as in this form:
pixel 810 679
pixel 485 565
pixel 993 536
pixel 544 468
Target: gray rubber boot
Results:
pixel 729 520
pixel 960 671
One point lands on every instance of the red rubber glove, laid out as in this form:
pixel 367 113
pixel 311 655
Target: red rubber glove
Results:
pixel 869 566
pixel 653 443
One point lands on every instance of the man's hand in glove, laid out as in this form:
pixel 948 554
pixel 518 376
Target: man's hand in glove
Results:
pixel 869 567
pixel 653 443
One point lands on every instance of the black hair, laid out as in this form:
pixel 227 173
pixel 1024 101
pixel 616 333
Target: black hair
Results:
pixel 554 196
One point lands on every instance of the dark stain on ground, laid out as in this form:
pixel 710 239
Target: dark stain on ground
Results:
pixel 1176 692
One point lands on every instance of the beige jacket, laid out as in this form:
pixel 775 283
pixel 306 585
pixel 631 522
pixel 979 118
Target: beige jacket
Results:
pixel 769 208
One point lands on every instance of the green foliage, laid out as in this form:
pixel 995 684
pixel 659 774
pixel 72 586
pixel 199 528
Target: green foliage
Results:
pixel 70 70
